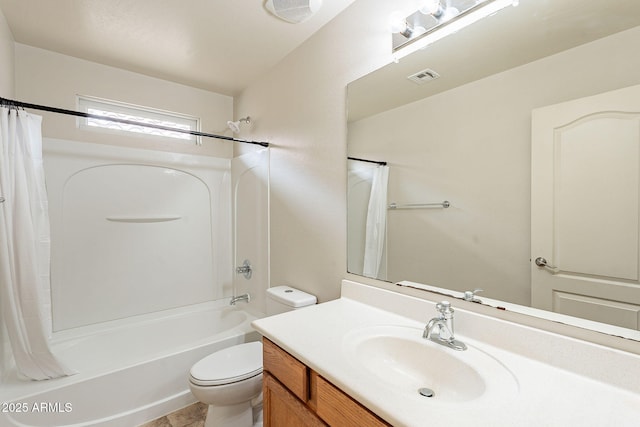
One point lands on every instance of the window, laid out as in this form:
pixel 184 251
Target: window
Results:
pixel 142 115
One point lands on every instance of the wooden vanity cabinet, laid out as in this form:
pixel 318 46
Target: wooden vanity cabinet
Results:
pixel 295 395
pixel 282 408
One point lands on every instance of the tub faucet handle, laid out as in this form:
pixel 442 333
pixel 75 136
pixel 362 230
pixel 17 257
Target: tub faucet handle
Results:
pixel 245 269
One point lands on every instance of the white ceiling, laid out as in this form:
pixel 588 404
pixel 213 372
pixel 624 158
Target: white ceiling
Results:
pixel 217 45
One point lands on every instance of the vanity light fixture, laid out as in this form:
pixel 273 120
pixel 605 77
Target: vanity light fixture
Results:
pixel 436 19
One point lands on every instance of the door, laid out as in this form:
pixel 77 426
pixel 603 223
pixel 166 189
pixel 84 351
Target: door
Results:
pixel 585 212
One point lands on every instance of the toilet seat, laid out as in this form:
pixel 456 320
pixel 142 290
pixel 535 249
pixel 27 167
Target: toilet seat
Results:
pixel 230 365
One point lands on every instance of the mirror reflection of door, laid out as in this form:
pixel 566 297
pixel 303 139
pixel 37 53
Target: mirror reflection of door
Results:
pixel 586 208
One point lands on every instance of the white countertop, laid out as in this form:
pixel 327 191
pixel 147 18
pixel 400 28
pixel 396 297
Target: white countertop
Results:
pixel 565 383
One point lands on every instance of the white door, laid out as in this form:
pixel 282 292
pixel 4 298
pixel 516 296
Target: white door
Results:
pixel 585 208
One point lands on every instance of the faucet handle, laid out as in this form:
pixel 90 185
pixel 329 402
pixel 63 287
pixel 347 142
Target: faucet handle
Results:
pixel 443 305
pixel 471 295
pixel 444 308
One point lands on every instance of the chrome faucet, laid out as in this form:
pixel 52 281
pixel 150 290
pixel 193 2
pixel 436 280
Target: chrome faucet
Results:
pixel 245 269
pixel 471 295
pixel 243 297
pixel 440 329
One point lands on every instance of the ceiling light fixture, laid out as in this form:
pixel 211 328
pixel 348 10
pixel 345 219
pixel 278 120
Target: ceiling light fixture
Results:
pixel 293 11
pixel 435 20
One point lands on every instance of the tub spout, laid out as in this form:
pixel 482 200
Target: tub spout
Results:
pixel 243 297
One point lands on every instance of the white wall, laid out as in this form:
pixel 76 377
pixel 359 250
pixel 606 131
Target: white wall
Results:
pixel 299 107
pixel 471 145
pixel 48 78
pixel 6 59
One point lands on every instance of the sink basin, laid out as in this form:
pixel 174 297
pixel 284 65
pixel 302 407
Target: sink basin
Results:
pixel 400 360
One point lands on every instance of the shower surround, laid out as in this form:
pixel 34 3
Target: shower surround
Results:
pixel 142 265
pixel 134 232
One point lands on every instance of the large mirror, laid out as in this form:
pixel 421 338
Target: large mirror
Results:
pixel 469 133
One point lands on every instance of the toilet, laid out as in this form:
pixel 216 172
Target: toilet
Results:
pixel 230 380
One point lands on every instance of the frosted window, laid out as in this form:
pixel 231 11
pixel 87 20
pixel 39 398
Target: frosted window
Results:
pixel 142 115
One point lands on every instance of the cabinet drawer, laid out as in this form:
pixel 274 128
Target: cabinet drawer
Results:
pixel 289 371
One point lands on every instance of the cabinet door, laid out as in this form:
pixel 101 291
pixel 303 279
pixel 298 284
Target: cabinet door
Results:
pixel 292 373
pixel 283 409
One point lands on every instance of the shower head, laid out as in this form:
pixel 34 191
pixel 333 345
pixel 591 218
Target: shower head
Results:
pixel 235 126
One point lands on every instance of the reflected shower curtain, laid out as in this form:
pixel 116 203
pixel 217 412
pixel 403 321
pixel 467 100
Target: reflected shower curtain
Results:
pixel 25 246
pixel 376 222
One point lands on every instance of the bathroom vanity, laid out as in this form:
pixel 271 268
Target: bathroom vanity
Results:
pixel 294 394
pixel 362 360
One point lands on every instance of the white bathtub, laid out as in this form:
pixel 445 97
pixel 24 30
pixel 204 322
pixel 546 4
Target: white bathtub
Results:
pixel 130 371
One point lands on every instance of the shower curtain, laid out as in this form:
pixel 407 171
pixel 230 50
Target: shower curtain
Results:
pixel 376 222
pixel 25 246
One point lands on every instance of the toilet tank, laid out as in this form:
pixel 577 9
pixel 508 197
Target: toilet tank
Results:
pixel 285 298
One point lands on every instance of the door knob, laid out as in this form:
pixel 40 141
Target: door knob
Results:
pixel 541 262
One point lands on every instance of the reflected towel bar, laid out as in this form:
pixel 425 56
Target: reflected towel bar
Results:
pixel 444 204
pixel 143 219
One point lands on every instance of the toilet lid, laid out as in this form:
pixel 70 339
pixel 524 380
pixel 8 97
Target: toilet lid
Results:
pixel 232 364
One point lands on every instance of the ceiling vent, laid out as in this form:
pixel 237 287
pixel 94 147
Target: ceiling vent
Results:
pixel 421 77
pixel 293 11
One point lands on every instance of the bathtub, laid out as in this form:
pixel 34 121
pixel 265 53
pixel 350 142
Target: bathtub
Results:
pixel 130 371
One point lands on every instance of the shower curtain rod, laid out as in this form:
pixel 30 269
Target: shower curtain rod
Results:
pixel 368 161
pixel 19 104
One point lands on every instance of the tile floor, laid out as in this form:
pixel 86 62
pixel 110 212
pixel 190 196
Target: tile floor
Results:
pixel 194 416
pixel 190 416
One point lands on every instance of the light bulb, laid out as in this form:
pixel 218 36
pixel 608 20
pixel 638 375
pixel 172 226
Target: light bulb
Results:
pixel 398 24
pixel 431 7
pixel 449 13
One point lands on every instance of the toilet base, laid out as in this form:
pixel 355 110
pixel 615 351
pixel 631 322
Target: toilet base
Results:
pixel 240 415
